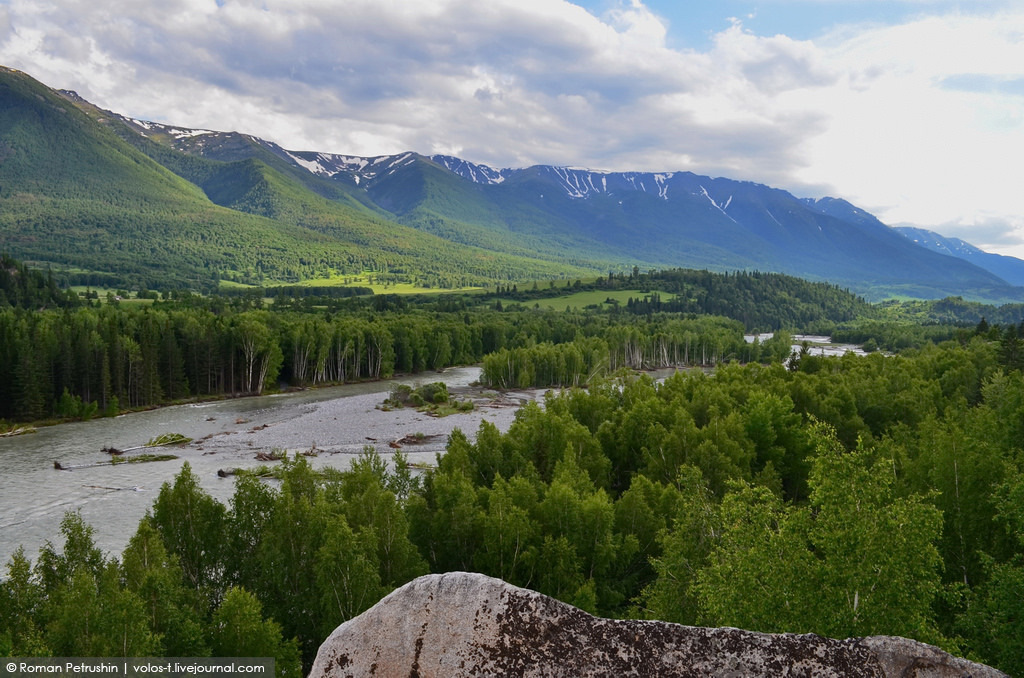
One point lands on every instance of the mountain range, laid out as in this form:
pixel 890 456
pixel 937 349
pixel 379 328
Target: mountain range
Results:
pixel 110 199
pixel 1010 269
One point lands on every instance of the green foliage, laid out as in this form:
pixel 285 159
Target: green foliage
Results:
pixel 191 524
pixel 81 362
pixel 857 561
pixel 238 629
pixel 950 311
pixel 168 439
pixel 991 623
pixel 347 577
pixel 22 287
pixel 760 301
pixel 434 393
pixel 685 539
pixel 95 617
pixel 86 611
pixel 22 601
pixel 79 553
pixel 842 496
pixel 173 609
pixel 72 407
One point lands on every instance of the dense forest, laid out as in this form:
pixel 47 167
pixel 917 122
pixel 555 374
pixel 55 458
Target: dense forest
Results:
pixel 841 496
pixel 761 301
pixel 24 287
pixel 778 492
pixel 781 491
pixel 89 359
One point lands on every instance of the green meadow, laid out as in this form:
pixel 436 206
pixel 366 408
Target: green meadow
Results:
pixel 598 298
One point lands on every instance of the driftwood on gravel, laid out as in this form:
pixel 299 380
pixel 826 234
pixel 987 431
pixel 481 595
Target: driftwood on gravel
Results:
pixel 17 431
pixel 134 488
pixel 259 472
pixel 414 439
pixel 228 472
pixel 116 461
pixel 163 440
pixel 273 455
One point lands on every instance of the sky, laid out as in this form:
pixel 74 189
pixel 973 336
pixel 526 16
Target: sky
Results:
pixel 912 109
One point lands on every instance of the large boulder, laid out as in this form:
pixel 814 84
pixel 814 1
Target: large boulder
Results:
pixel 463 624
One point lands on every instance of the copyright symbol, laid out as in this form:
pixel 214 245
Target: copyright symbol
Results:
pixel 12 667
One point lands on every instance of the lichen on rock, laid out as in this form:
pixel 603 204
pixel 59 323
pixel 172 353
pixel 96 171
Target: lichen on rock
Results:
pixel 464 624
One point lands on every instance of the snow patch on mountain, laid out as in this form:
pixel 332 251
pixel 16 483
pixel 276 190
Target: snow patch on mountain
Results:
pixel 720 208
pixel 178 133
pixel 478 174
pixel 940 243
pixel 187 133
pixel 314 165
pixel 357 168
pixel 660 180
pixel 570 180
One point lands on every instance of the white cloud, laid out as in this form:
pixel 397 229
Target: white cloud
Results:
pixel 904 144
pixel 637 23
pixel 921 122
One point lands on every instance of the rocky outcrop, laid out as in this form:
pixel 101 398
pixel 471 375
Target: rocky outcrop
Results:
pixel 462 624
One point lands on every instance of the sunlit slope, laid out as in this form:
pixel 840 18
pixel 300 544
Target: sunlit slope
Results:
pixel 77 195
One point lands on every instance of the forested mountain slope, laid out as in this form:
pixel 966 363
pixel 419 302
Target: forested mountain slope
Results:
pixel 661 219
pixel 90 189
pixel 666 219
pixel 76 195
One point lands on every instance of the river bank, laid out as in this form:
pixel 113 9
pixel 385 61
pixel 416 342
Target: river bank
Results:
pixel 331 424
pixel 9 429
pixel 338 421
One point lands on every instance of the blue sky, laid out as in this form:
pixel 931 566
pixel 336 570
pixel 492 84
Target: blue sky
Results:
pixel 692 24
pixel 913 110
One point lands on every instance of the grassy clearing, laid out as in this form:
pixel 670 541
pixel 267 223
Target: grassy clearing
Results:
pixel 101 291
pixel 106 294
pixel 406 288
pixel 591 298
pixel 367 280
pixel 232 285
pixel 338 280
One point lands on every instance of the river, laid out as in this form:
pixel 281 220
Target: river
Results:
pixel 338 421
pixel 816 344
